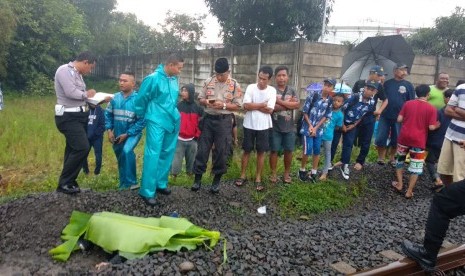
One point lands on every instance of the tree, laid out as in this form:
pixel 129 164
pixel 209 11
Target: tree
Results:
pixel 181 31
pixel 100 21
pixel 254 21
pixel 446 38
pixel 48 32
pixel 8 23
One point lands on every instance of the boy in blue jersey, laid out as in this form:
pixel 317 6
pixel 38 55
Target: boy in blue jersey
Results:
pixel 331 125
pixel 124 129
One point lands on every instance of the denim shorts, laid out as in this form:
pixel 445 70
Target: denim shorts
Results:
pixel 311 145
pixel 387 129
pixel 282 140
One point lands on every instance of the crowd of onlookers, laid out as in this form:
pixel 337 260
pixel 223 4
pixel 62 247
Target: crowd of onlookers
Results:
pixel 420 125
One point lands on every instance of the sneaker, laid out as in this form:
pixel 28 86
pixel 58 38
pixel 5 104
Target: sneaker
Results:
pixel 303 176
pixel 312 177
pixel 345 171
pixel 331 167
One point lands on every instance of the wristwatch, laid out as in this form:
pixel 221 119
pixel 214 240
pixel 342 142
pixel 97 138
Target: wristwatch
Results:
pixel 224 106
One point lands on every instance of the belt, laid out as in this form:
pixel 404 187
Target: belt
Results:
pixel 76 109
pixel 218 117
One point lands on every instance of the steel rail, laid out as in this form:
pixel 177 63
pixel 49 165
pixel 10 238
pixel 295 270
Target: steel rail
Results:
pixel 447 260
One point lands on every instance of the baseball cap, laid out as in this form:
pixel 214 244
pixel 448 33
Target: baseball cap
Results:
pixel 372 83
pixel 401 66
pixel 379 70
pixel 331 81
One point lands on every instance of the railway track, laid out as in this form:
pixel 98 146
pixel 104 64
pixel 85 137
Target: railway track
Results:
pixel 448 259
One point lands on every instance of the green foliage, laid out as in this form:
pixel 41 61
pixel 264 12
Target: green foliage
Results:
pixel 8 23
pixel 254 21
pixel 181 31
pixel 305 199
pixel 48 33
pixel 446 38
pixel 39 85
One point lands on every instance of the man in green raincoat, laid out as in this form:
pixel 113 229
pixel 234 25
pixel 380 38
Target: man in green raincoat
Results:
pixel 157 102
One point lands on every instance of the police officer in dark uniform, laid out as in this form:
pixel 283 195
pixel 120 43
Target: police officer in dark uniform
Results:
pixel 221 95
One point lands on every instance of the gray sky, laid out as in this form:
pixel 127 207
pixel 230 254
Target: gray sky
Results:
pixel 401 13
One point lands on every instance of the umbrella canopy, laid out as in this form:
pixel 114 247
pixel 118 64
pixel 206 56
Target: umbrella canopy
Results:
pixel 342 88
pixel 314 87
pixel 385 51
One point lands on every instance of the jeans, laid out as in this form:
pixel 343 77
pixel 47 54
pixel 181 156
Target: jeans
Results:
pixel 364 133
pixel 327 145
pixel 335 143
pixel 387 129
pixel 97 144
pixel 187 149
pixel 347 145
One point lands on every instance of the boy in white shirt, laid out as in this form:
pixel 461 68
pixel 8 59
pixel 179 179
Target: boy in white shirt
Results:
pixel 259 101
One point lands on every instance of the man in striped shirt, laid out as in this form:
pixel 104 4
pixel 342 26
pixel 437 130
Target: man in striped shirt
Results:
pixel 451 164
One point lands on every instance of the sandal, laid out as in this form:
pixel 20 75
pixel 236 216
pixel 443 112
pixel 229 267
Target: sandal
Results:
pixel 287 180
pixel 381 162
pixel 358 166
pixel 394 187
pixel 259 186
pixel 393 164
pixel 274 179
pixel 408 197
pixel 240 182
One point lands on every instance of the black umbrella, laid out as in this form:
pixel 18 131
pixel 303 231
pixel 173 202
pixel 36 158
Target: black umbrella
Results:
pixel 385 51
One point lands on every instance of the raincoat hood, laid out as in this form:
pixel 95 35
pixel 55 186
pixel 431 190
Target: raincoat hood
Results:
pixel 191 90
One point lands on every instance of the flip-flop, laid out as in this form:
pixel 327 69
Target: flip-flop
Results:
pixel 287 180
pixel 436 187
pixel 240 182
pixel 394 187
pixel 274 179
pixel 259 186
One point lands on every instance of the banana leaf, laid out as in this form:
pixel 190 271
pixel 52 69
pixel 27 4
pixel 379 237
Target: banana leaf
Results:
pixel 132 237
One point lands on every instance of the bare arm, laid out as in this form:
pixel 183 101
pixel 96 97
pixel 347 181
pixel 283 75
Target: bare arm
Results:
pixel 381 108
pixel 255 106
pixel 400 119
pixel 455 113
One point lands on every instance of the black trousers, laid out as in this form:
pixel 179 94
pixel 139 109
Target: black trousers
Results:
pixel 73 125
pixel 364 135
pixel 446 205
pixel 97 144
pixel 215 130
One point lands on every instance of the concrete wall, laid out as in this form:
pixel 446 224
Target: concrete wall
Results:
pixel 308 62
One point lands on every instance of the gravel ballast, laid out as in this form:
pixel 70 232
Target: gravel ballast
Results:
pixel 256 244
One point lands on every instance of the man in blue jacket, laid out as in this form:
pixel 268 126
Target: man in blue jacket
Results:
pixel 124 129
pixel 157 102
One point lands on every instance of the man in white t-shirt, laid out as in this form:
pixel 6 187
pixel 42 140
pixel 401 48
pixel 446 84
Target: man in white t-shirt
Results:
pixel 259 101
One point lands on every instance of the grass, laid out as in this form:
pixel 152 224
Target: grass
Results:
pixel 31 155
